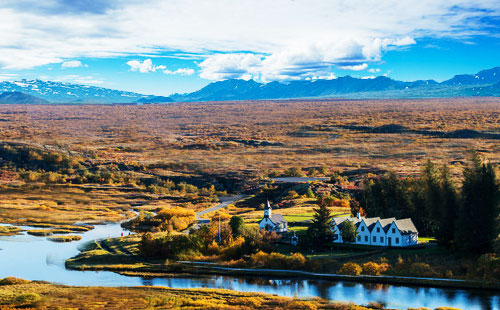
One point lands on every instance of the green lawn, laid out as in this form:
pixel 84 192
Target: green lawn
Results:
pixel 299 217
pixel 426 239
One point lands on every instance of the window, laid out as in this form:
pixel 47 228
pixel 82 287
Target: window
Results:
pixel 378 229
pixel 362 228
pixel 397 240
pixel 381 239
pixel 359 238
pixel 366 238
pixel 394 230
pixel 374 239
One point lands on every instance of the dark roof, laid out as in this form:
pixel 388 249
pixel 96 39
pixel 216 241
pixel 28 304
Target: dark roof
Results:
pixel 406 226
pixel 277 218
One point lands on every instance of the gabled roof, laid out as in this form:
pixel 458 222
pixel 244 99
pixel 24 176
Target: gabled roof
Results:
pixel 277 218
pixel 370 222
pixel 406 226
pixel 386 223
pixel 338 220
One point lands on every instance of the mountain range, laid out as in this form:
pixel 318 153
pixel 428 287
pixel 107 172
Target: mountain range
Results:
pixel 59 92
pixel 484 83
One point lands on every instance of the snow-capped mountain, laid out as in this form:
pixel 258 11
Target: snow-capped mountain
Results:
pixel 66 92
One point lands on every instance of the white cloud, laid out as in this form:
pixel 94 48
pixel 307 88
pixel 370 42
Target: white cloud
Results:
pixel 370 77
pixel 180 71
pixel 289 39
pixel 374 70
pixel 72 64
pixel 231 66
pixel 355 67
pixel 145 66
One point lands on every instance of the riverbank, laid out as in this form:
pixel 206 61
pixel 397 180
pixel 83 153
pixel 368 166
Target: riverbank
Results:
pixel 122 255
pixel 17 293
pixel 129 267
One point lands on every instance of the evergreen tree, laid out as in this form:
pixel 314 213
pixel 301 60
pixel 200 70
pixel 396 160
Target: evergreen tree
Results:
pixel 431 189
pixel 448 210
pixel 319 232
pixel 477 225
pixel 237 224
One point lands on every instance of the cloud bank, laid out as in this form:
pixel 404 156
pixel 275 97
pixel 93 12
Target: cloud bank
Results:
pixel 72 64
pixel 267 40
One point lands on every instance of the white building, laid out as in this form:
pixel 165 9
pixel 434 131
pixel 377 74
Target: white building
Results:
pixel 273 222
pixel 378 232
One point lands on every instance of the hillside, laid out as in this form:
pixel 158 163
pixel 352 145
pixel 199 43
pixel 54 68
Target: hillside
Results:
pixel 58 92
pixel 20 98
pixel 155 99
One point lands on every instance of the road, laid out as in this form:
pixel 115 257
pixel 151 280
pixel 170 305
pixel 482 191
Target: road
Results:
pixel 224 202
pixel 298 179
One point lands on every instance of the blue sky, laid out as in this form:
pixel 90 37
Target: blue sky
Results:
pixel 163 47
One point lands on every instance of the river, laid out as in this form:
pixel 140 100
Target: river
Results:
pixel 37 258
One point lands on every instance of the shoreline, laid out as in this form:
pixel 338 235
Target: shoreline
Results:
pixel 200 268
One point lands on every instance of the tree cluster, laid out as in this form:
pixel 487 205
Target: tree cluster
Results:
pixel 465 219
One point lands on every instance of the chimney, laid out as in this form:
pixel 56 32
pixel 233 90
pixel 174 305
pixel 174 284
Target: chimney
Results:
pixel 359 215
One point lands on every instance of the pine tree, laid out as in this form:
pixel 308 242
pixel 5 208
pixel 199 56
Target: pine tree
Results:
pixel 477 225
pixel 448 210
pixel 433 199
pixel 319 232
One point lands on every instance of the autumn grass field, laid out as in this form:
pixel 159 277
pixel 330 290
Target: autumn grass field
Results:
pixel 227 145
pixel 17 294
pixel 215 137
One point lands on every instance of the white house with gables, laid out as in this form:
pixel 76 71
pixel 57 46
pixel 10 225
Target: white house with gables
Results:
pixel 378 232
pixel 273 222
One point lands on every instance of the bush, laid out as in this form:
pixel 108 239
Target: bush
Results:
pixel 421 270
pixel 13 281
pixel 351 268
pixel 27 299
pixel 371 268
pixel 277 260
pixel 489 266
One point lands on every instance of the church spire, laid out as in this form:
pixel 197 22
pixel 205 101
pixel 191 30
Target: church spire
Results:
pixel 267 209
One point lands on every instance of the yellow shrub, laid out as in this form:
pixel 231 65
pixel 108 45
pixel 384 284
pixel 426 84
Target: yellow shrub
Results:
pixel 371 268
pixel 351 268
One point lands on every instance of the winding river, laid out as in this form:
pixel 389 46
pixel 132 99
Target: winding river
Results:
pixel 37 258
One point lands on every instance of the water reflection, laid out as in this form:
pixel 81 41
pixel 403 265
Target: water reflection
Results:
pixel 36 258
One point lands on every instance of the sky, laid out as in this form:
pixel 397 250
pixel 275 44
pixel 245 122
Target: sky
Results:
pixel 176 46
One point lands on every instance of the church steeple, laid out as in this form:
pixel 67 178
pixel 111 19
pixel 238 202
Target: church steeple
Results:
pixel 267 209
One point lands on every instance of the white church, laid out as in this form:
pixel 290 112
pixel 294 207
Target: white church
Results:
pixel 273 222
pixel 387 232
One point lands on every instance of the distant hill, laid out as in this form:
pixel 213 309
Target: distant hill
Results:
pixel 20 98
pixel 65 92
pixel 480 84
pixel 489 90
pixel 490 76
pixel 155 99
